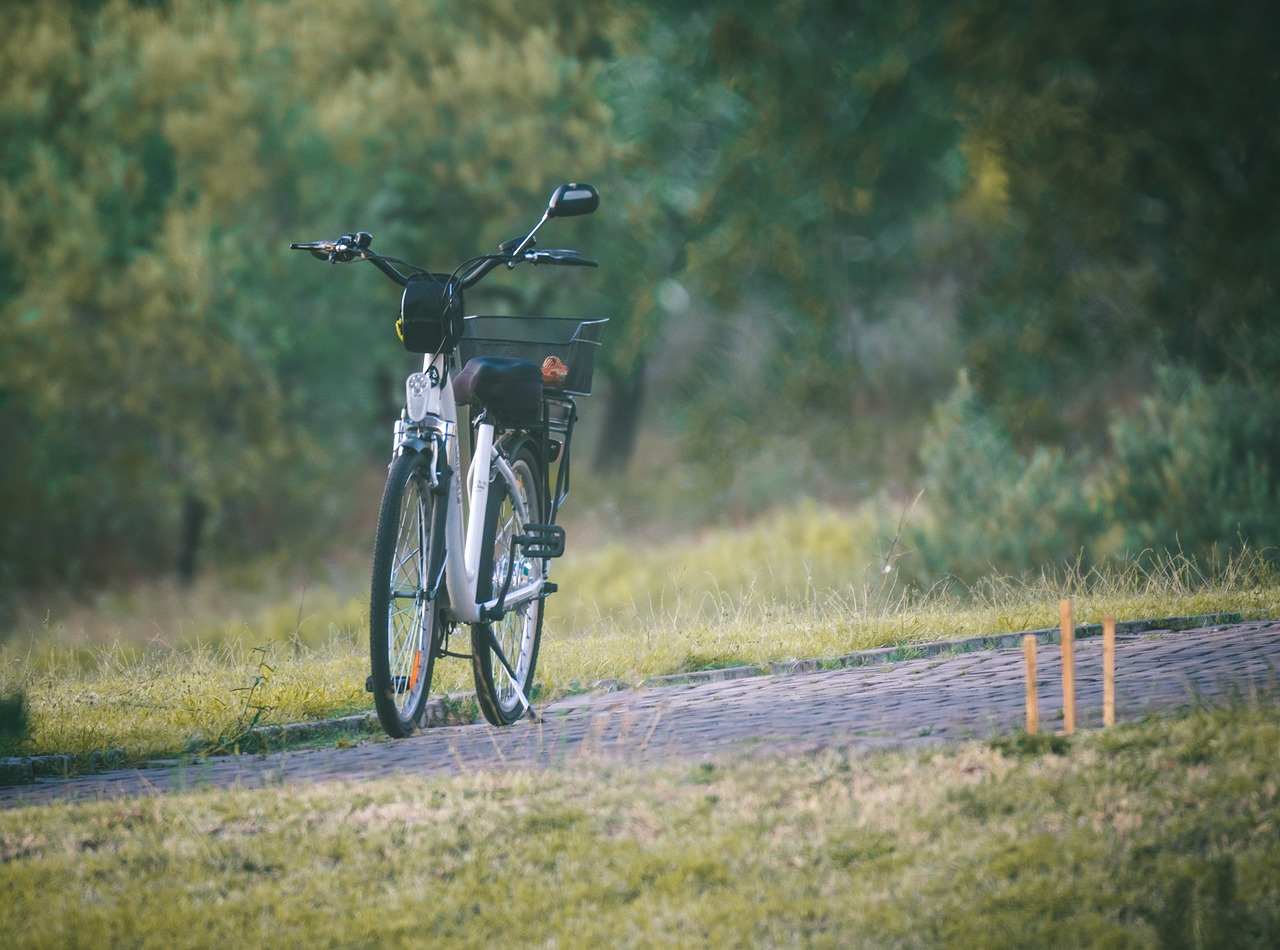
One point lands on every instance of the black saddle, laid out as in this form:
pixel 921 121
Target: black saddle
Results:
pixel 510 388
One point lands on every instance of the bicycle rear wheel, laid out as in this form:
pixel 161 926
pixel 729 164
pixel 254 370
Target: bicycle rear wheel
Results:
pixel 518 633
pixel 405 626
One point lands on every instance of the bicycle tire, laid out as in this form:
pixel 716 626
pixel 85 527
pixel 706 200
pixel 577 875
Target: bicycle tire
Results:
pixel 404 626
pixel 520 631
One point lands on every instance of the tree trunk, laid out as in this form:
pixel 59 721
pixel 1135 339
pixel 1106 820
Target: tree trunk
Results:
pixel 622 413
pixel 194 512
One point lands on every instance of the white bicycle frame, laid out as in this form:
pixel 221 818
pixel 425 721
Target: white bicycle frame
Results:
pixel 431 406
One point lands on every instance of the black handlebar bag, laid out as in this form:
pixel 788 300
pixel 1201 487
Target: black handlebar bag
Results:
pixel 430 314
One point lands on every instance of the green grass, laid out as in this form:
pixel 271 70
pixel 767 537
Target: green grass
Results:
pixel 1161 833
pixel 155 670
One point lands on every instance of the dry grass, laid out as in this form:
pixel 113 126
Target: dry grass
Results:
pixel 151 671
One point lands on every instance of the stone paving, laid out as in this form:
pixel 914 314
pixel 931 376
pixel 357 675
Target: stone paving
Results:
pixel 922 701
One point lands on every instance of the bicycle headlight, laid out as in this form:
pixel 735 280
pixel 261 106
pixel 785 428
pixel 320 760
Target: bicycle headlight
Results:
pixel 415 396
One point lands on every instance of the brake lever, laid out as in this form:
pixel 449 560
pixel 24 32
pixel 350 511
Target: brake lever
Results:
pixel 322 250
pixel 342 251
pixel 561 256
pixel 350 247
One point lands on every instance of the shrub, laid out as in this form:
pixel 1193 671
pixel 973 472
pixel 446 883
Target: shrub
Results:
pixel 1196 469
pixel 1197 466
pixel 988 508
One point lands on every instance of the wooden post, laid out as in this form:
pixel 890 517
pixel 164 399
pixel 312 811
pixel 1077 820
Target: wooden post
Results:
pixel 1108 671
pixel 1068 668
pixel 1033 700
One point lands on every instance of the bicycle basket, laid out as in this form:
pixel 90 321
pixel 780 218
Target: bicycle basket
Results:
pixel 430 314
pixel 573 342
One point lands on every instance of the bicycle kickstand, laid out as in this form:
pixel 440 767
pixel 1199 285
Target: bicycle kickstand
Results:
pixel 515 683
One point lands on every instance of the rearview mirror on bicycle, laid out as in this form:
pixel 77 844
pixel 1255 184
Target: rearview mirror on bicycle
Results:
pixel 569 201
pixel 439 562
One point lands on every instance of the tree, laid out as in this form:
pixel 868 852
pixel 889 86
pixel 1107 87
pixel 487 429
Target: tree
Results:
pixel 1140 152
pixel 780 153
pixel 1124 304
pixel 162 356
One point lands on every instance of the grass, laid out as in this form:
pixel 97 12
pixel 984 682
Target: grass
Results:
pixel 1160 833
pixel 154 671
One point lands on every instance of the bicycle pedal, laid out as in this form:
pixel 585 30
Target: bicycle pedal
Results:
pixel 542 540
pixel 368 684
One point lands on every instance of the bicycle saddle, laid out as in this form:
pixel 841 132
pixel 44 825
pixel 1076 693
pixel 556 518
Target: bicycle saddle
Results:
pixel 511 388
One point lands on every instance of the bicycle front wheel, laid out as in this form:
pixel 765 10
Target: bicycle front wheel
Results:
pixel 405 622
pixel 511 506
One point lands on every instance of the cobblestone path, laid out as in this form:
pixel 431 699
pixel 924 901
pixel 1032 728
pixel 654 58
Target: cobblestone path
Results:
pixel 934 700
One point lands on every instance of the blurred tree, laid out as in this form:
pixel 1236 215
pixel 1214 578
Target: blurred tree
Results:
pixel 1099 185
pixel 779 157
pixel 164 365
pixel 127 396
pixel 1139 154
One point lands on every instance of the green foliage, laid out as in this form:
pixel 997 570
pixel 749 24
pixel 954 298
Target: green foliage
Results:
pixel 827 159
pixel 1197 466
pixel 1139 180
pixel 156 343
pixel 14 721
pixel 987 508
pixel 814 212
pixel 792 193
pixel 1194 469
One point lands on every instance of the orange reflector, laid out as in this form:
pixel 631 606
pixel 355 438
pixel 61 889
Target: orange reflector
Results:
pixel 417 665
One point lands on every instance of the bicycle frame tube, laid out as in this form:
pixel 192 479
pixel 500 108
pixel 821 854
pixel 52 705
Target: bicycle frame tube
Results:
pixel 478 487
pixel 460 568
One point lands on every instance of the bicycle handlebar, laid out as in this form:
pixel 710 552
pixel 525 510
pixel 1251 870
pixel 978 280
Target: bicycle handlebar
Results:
pixel 355 247
pixel 568 201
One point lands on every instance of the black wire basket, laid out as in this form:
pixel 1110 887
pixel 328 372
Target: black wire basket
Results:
pixel 573 342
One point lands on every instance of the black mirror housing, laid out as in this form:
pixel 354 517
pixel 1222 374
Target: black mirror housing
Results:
pixel 571 200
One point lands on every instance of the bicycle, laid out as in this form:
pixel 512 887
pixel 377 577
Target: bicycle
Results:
pixel 439 565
